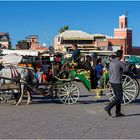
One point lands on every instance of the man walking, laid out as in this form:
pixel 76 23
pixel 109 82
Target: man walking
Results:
pixel 116 70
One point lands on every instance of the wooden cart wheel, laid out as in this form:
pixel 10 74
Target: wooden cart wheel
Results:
pixel 7 95
pixel 130 90
pixel 7 91
pixel 138 87
pixel 69 93
pixel 109 92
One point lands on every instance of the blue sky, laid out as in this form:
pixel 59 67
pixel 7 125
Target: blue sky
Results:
pixel 45 18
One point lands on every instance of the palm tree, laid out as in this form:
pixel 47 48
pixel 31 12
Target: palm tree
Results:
pixel 66 27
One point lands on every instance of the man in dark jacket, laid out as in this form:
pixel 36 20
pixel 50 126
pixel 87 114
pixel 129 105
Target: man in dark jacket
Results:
pixel 75 53
pixel 116 69
pixel 75 57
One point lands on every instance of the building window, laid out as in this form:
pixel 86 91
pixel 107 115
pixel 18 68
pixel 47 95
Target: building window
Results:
pixel 59 39
pixel 3 37
pixel 121 25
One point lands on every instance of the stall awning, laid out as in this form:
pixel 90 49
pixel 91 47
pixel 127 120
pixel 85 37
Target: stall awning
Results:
pixel 21 52
pixel 75 35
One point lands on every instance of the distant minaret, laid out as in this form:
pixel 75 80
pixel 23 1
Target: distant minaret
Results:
pixel 123 22
pixel 125 33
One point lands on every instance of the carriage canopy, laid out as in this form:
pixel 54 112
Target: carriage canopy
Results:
pixel 133 59
pixel 10 59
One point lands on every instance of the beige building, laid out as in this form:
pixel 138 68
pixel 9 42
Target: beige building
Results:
pixel 122 39
pixel 5 42
pixel 100 41
pixel 33 42
pixel 84 41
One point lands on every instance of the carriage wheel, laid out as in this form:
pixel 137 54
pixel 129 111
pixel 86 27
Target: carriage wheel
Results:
pixel 68 93
pixel 130 90
pixel 8 95
pixel 1 96
pixel 138 87
pixel 109 92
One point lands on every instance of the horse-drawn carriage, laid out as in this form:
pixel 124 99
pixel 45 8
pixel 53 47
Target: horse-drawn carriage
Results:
pixel 66 89
pixel 69 92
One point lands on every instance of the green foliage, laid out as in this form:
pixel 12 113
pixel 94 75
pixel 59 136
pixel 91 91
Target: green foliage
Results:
pixel 63 29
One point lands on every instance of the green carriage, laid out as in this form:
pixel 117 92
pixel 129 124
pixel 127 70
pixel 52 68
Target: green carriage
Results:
pixel 69 92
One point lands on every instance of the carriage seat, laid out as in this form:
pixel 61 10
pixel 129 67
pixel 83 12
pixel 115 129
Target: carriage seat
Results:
pixel 73 65
pixel 63 80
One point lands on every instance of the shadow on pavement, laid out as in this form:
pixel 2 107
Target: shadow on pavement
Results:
pixel 136 101
pixel 93 101
pixel 81 96
pixel 49 100
pixel 137 114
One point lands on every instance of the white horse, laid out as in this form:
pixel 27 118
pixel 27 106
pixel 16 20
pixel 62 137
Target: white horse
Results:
pixel 12 74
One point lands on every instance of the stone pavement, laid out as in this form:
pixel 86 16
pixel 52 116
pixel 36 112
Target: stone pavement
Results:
pixel 45 119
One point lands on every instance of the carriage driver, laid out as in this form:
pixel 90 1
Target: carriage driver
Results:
pixel 75 57
pixel 116 70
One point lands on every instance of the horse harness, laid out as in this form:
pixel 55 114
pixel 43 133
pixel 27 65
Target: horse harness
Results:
pixel 15 76
pixel 14 72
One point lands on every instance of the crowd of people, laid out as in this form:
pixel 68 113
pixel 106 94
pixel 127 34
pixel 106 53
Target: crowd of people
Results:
pixel 95 64
pixel 45 72
pixel 44 75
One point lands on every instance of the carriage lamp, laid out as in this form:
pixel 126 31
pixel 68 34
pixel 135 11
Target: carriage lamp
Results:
pixel 51 58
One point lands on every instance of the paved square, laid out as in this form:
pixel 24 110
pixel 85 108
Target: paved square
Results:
pixel 45 119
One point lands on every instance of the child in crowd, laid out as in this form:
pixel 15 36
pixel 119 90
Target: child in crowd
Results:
pixel 38 75
pixel 99 68
pixel 44 77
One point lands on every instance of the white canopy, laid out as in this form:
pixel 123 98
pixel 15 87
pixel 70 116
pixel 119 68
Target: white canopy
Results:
pixel 75 35
pixel 25 52
pixel 10 59
pixel 21 52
